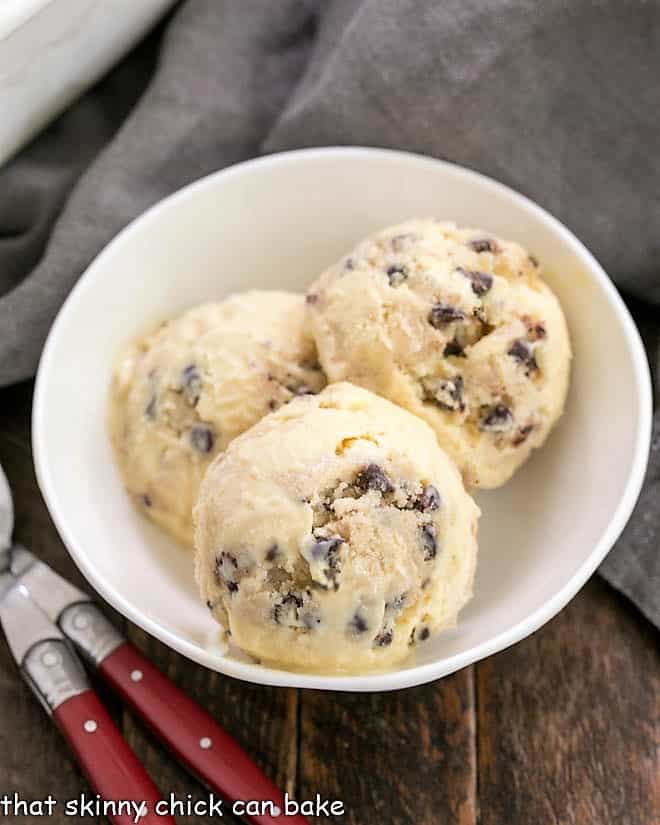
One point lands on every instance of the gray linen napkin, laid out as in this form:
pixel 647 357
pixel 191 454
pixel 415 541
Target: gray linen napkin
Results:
pixel 559 100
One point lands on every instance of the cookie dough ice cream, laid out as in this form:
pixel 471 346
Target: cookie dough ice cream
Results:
pixel 456 326
pixel 181 393
pixel 335 535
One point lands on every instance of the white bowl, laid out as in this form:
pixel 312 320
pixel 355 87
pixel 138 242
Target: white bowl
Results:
pixel 277 222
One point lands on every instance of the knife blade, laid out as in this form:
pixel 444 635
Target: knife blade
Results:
pixel 23 623
pixel 47 588
pixel 6 515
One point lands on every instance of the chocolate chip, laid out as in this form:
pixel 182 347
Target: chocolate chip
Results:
pixel 202 438
pixel 535 329
pixel 191 384
pixel 272 405
pixel 209 605
pixel 429 541
pixel 294 384
pixel 400 241
pixel 286 610
pixel 189 374
pixel 226 562
pixel 449 395
pixel 358 624
pixel 523 352
pixel 384 639
pixel 484 245
pixel 397 274
pixel 497 418
pixel 520 350
pixel 481 281
pixel 150 409
pixel 291 599
pixel 311 298
pixel 372 477
pixel 522 435
pixel 226 566
pixel 327 550
pixel 453 348
pixel 310 620
pixel 420 634
pixel 396 603
pixel 272 553
pixel 534 261
pixel 428 500
pixel 443 314
pixel 349 264
pixel 311 364
pixel 481 316
pixel 146 500
pixel 297 387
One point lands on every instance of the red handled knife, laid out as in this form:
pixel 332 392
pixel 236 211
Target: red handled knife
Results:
pixel 44 617
pixel 192 736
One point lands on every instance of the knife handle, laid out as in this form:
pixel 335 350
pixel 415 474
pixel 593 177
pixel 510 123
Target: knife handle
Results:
pixel 194 738
pixel 109 764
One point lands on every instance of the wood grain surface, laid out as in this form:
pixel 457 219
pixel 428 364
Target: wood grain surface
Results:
pixel 561 729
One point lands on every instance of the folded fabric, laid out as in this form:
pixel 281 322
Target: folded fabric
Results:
pixel 558 100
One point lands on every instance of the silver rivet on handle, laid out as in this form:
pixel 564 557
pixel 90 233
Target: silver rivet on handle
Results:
pixel 50 659
pixel 90 726
pixel 205 743
pixel 136 676
pixel 81 621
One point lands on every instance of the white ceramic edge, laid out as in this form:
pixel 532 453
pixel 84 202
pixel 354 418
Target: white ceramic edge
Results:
pixel 415 675
pixel 75 50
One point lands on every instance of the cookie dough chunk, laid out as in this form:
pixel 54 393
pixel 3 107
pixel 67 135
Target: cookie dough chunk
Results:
pixel 180 394
pixel 456 326
pixel 335 535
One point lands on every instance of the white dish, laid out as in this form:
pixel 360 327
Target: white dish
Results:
pixel 51 51
pixel 277 222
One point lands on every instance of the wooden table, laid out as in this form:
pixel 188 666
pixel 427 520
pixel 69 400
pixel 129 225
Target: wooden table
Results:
pixel 561 728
